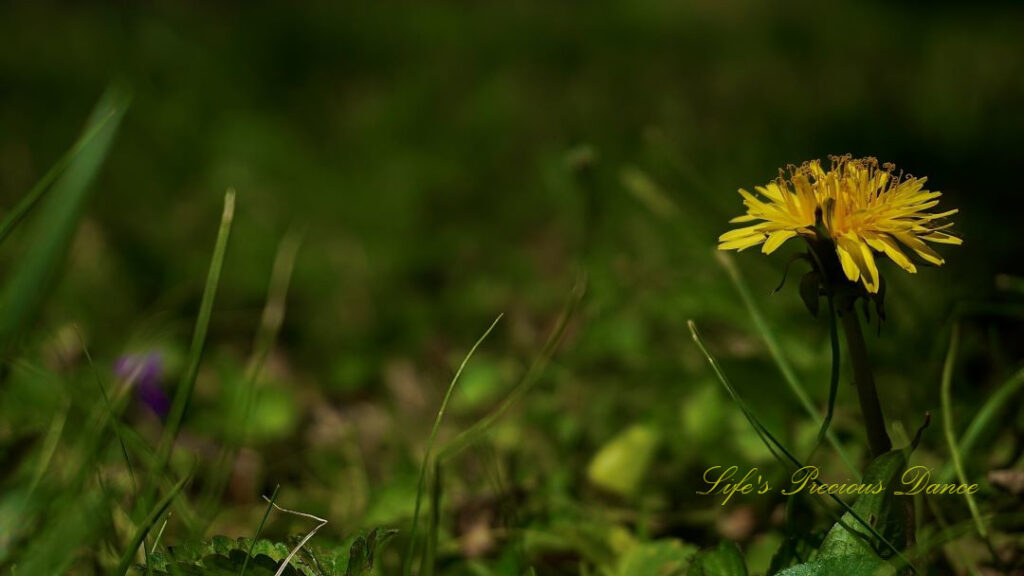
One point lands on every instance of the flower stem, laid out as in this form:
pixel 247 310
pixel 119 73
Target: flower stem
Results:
pixel 870 407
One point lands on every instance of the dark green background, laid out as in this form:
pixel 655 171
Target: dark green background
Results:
pixel 424 149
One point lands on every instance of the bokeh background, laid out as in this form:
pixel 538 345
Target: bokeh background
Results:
pixel 445 162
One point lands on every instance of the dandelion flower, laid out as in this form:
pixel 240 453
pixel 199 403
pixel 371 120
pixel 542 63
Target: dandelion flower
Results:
pixel 856 207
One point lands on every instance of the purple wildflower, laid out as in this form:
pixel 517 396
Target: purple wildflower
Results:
pixel 147 372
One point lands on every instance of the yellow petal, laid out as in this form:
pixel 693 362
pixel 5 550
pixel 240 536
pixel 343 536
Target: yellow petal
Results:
pixel 942 238
pixel 849 265
pixel 770 191
pixel 742 243
pixel 917 245
pixel 869 270
pixel 888 246
pixel 749 199
pixel 860 259
pixel 743 218
pixel 776 239
pixel 742 233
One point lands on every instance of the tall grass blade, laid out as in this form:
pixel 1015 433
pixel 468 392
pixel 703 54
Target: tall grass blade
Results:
pixel 11 220
pixel 188 379
pixel 58 217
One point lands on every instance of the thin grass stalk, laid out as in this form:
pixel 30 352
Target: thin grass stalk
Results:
pixel 532 375
pixel 954 451
pixel 271 321
pixel 259 529
pixel 788 374
pixel 407 563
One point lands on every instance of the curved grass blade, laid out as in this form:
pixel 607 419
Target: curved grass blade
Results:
pixel 407 563
pixel 48 449
pixel 947 428
pixel 58 217
pixel 833 384
pixel 144 528
pixel 532 375
pixel 780 360
pixel 986 417
pixel 777 448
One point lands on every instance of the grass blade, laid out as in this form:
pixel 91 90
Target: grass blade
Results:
pixel 407 563
pixel 259 529
pixel 833 383
pixel 29 201
pixel 470 435
pixel 947 428
pixel 144 528
pixel 266 336
pixel 986 417
pixel 188 379
pixel 115 423
pixel 58 218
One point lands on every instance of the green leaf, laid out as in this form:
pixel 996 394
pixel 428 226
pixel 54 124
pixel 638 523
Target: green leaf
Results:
pixel 357 558
pixel 845 565
pixel 659 558
pixel 376 542
pixel 883 511
pixel 802 540
pixel 725 560
pixel 622 463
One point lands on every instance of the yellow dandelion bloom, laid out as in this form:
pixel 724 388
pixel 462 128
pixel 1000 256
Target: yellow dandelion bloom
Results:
pixel 865 209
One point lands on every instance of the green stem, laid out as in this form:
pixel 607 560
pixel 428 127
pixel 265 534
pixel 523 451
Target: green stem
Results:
pixel 870 407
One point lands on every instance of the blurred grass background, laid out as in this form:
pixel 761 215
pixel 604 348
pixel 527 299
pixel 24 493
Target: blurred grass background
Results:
pixel 430 154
